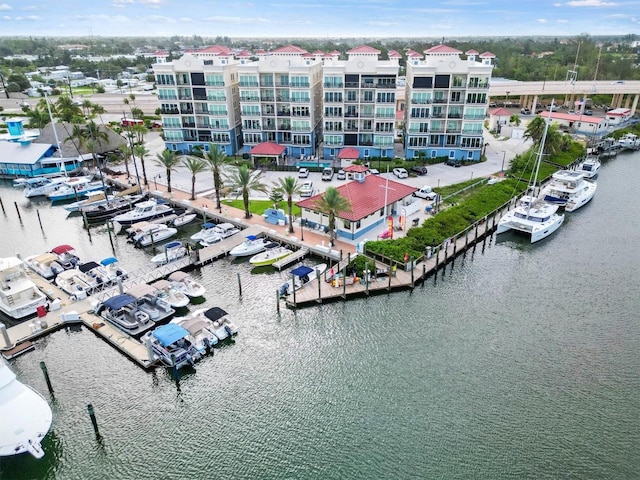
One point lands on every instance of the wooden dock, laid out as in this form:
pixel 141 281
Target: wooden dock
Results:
pixel 223 247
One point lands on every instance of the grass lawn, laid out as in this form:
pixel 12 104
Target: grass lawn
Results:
pixel 258 207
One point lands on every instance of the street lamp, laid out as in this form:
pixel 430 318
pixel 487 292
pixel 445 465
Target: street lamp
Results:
pixel 155 184
pixel 301 228
pixel 503 155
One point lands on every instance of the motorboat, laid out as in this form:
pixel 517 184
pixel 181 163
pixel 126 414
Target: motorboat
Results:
pixel 532 216
pixel 186 284
pixel 122 311
pixel 66 256
pixel 222 327
pixel 145 233
pixel 183 219
pixel 203 232
pixel 251 246
pixel 96 199
pixel 589 167
pixel 75 287
pixel 149 302
pixel 26 416
pixel 568 188
pixel 93 275
pixel 301 276
pixel 270 256
pixel 121 203
pixel 172 251
pixel 19 296
pixel 46 265
pixel 225 230
pixel 169 293
pixel 201 331
pixel 75 188
pixel 40 186
pixel 171 345
pixel 112 269
pixel 629 141
pixel 144 211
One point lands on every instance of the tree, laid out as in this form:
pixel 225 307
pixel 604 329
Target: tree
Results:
pixel 288 186
pixel 141 151
pixel 97 109
pixel 21 80
pixel 38 117
pixel 66 110
pixel 331 203
pixel 515 120
pixel 246 181
pixel 170 161
pixel 195 165
pixel 217 160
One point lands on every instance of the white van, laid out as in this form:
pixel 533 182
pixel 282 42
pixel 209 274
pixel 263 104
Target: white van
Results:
pixel 425 192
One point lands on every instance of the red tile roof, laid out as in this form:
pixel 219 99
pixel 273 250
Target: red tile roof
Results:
pixel 349 153
pixel 243 54
pixel 308 55
pixel 334 52
pixel 393 54
pixel 487 55
pixel 366 197
pixel 217 50
pixel 318 52
pixel 356 168
pixel 413 54
pixel 471 52
pixel 500 112
pixel 442 49
pixel 267 148
pixel 364 49
pixel 289 49
pixel 572 118
pixel 160 53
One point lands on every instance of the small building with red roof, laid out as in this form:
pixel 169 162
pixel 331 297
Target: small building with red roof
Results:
pixel 349 153
pixel 269 151
pixel 578 123
pixel 367 195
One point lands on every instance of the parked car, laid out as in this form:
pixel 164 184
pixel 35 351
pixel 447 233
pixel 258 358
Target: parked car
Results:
pixel 303 173
pixel 374 171
pixel 425 192
pixel 327 174
pixel 552 108
pixel 571 112
pixel 525 111
pixel 452 162
pixel 400 172
pixel 342 175
pixel 588 113
pixel 306 190
pixel 419 169
pixel 25 105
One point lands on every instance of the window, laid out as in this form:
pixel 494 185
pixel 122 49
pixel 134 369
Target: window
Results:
pixel 218 109
pixel 252 137
pixel 173 135
pixel 346 224
pixel 300 125
pixel 419 113
pixel 220 137
pixel 301 139
pixel 248 81
pixel 299 96
pixel 418 141
pixel 214 80
pixel 421 98
pixel 385 112
pixel 352 96
pixel 333 82
pixel 418 127
pixel 476 98
pixel 471 142
pixel 333 139
pixel 332 97
pixel 386 97
pixel 216 95
pixel 219 123
pixel 299 81
pixel 250 110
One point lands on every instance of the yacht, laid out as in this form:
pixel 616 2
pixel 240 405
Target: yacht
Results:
pixel 26 416
pixel 46 265
pixel 589 167
pixel 225 230
pixel 249 247
pixel 112 269
pixel 206 229
pixel 75 188
pixel 122 312
pixel 75 287
pixel 96 213
pixel 40 186
pixel 629 141
pixel 171 345
pixel 201 331
pixel 93 275
pixel 147 210
pixel 568 188
pixel 146 234
pixel 19 296
pixel 172 251
pixel 222 327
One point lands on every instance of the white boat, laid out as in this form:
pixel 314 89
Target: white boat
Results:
pixel 270 256
pixel 46 265
pixel 39 186
pixel 533 216
pixel 170 294
pixel 94 199
pixel 201 331
pixel 145 234
pixel 19 296
pixel 568 188
pixel 171 345
pixel 222 326
pixel 26 416
pixel 225 230
pixel 172 251
pixel 75 188
pixel 204 231
pixel 184 219
pixel 629 141
pixel 112 269
pixel 122 311
pixel 75 287
pixel 142 211
pixel 93 275
pixel 589 167
pixel 251 246
pixel 302 276
pixel 186 284
pixel 66 256
pixel 149 302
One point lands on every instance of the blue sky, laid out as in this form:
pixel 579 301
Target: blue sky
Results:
pixel 318 18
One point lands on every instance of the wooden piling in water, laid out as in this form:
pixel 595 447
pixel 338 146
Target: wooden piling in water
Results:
pixel 39 219
pixel 278 301
pixel 94 422
pixel 239 285
pixel 43 367
pixel 2 206
pixel 18 210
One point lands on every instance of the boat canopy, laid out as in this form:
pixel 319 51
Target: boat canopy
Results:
pixel 161 284
pixel 194 325
pixel 169 333
pixel 45 258
pixel 301 271
pixel 141 290
pixel 119 301
pixel 208 225
pixel 174 244
pixel 85 267
pixel 178 276
pixel 60 249
pixel 109 261
pixel 215 313
pixel 251 238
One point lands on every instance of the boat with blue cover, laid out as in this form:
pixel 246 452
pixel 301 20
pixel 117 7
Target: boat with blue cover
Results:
pixel 171 345
pixel 123 313
pixel 251 246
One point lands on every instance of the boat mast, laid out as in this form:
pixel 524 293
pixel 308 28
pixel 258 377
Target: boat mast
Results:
pixel 534 179
pixel 55 133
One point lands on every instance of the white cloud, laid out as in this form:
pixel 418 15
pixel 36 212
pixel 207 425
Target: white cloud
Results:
pixel 160 19
pixel 381 24
pixel 541 20
pixel 5 6
pixel 121 3
pixel 29 18
pixel 28 8
pixel 562 21
pixel 590 3
pixel 237 20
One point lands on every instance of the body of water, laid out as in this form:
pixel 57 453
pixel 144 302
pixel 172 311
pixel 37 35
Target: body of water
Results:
pixel 517 361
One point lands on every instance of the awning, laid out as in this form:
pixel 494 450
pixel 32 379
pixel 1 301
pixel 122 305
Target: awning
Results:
pixel 119 301
pixel 169 333
pixel 215 313
pixel 301 271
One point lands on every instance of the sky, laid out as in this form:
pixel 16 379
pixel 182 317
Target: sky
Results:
pixel 319 18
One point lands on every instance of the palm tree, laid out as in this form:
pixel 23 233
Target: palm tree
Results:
pixel 87 107
pixel 141 151
pixel 126 154
pixel 243 179
pixel 139 131
pixel 289 186
pixel 195 165
pixel 97 109
pixel 38 117
pixel 66 110
pixel 217 160
pixel 331 203
pixel 170 161
pixel 97 136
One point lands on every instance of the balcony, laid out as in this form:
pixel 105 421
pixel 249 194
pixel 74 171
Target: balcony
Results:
pixel 284 126
pixel 251 114
pixel 265 98
pixel 439 100
pixel 474 117
pixel 216 99
pixel 214 84
pixel 248 84
pixel 386 100
pixel 169 111
pixel 218 113
pixel 351 129
pixel 251 99
pixel 284 113
pixel 351 114
pixel 385 115
pixel 186 111
pixel 437 129
pixel 333 85
pixel 333 114
pixel 269 126
pixel 300 114
pixel 366 143
pixel 203 125
pixel 167 97
pixel 386 85
pixel 185 97
pixel 299 85
pixel 423 130
pixel 300 100
pixel 202 111
pixel 332 129
pixel 351 84
pixel 479 86
pixel 204 138
pixel 280 84
pixel 219 126
pixel 301 129
pixel 188 125
pixel 420 102
pixel 470 131
pixel 367 100
pixel 200 97
pixel 454 129
pixel 284 98
pixel 454 115
pixel 437 115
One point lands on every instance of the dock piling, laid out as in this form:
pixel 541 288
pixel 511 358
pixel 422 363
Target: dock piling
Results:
pixel 5 335
pixel 18 210
pixel 39 220
pixel 239 285
pixel 94 422
pixel 2 206
pixel 43 366
pixel 278 301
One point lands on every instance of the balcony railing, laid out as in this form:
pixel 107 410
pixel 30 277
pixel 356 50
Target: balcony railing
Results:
pixel 454 115
pixel 385 115
pixel 169 111
pixel 299 85
pixel 483 86
pixel 248 84
pixel 351 114
pixel 250 99
pixel 167 97
pixel 269 126
pixel 437 129
pixel 419 130
pixel 300 100
pixel 184 97
pixel 216 99
pixel 251 114
pixel 300 129
pixel 333 115
pixel 284 127
pixel 454 130
pixel 219 126
pixel 470 131
pixel 214 84
pixel 474 117
pixel 186 111
pixel 439 100
pixel 421 102
pixel 351 129
pixel 188 125
pixel 333 85
pixel 301 114
pixel 199 97
pixel 284 113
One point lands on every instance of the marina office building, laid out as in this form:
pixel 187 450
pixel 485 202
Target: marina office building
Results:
pixel 315 104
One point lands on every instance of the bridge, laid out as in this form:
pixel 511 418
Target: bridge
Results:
pixel 625 94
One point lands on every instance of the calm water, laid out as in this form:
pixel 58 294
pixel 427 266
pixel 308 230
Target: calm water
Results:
pixel 520 361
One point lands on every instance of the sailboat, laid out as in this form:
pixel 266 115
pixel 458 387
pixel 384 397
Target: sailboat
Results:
pixel 533 216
